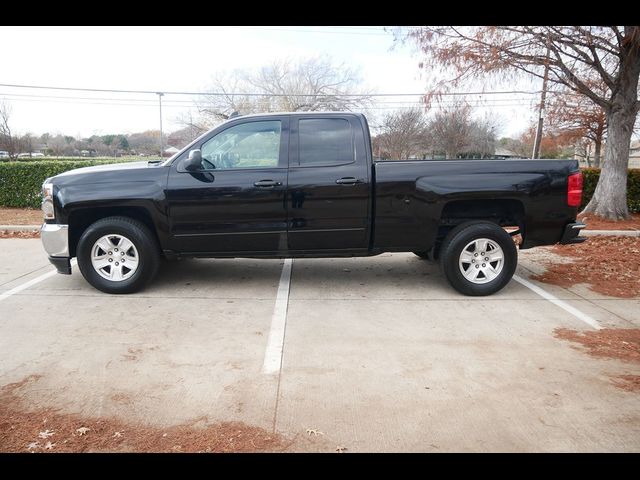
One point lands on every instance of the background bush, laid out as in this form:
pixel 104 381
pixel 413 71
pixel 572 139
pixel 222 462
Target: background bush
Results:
pixel 591 176
pixel 21 182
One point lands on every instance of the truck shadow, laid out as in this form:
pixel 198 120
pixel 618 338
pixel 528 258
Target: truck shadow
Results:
pixel 341 276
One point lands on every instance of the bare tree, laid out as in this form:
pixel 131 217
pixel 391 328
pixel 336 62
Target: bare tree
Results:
pixel 403 135
pixel 576 117
pixel 450 130
pixel 311 84
pixel 8 139
pixel 572 55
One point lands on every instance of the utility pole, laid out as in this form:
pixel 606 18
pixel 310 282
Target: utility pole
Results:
pixel 160 95
pixel 543 98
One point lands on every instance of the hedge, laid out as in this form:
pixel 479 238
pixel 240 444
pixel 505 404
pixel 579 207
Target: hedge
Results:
pixel 21 182
pixel 591 176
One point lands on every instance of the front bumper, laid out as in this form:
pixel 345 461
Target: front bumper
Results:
pixel 55 240
pixel 571 233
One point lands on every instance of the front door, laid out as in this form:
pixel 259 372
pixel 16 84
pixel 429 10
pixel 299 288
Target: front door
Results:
pixel 235 202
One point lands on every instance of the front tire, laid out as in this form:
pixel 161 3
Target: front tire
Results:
pixel 118 255
pixel 478 258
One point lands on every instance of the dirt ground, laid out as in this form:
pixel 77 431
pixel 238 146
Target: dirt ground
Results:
pixel 617 343
pixel 610 265
pixel 45 430
pixel 20 216
pixel 595 222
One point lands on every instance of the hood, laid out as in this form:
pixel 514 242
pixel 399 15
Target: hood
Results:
pixel 112 167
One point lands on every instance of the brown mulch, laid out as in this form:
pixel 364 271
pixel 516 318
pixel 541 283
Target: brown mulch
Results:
pixel 10 234
pixel 619 343
pixel 610 265
pixel 20 216
pixel 47 430
pixel 595 222
pixel 630 383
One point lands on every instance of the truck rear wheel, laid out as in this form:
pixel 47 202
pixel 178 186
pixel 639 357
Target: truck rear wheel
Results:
pixel 478 258
pixel 118 255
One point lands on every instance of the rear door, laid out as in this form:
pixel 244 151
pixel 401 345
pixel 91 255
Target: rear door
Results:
pixel 235 203
pixel 328 192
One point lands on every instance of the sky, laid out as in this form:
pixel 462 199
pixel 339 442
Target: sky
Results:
pixel 185 59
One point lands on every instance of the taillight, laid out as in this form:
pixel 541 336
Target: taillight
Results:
pixel 574 189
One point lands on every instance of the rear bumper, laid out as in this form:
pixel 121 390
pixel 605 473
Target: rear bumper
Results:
pixel 571 233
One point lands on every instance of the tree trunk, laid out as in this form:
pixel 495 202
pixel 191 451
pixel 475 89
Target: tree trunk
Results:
pixel 610 197
pixel 596 154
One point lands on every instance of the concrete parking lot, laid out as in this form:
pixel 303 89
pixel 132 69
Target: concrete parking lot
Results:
pixel 378 354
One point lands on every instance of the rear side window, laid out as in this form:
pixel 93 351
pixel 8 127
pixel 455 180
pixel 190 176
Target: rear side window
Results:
pixel 325 141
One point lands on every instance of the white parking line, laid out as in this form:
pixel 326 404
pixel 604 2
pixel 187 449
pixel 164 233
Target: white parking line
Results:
pixel 556 301
pixel 30 283
pixel 273 353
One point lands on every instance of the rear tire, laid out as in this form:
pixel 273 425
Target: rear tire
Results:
pixel 478 258
pixel 98 254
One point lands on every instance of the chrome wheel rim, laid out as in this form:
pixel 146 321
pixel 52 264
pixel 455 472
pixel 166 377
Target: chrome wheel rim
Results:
pixel 481 261
pixel 114 257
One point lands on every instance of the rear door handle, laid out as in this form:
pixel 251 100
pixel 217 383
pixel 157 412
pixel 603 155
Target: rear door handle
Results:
pixel 348 181
pixel 267 183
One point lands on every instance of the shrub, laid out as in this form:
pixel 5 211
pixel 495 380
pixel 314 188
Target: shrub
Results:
pixel 21 182
pixel 591 176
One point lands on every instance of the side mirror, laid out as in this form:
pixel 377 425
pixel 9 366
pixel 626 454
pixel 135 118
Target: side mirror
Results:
pixel 193 162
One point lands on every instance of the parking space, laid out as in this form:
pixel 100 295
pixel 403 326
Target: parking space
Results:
pixel 379 354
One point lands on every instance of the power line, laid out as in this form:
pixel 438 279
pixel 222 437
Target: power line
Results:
pixel 150 101
pixel 251 94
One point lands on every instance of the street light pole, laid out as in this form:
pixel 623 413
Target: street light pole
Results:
pixel 160 95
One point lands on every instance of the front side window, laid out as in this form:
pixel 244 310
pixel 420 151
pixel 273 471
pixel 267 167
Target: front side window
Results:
pixel 249 145
pixel 325 141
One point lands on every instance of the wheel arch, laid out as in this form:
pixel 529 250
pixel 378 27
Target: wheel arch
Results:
pixel 502 212
pixel 80 219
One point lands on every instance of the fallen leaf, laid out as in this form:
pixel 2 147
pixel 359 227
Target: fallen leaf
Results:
pixel 117 435
pixel 33 445
pixel 83 430
pixel 46 434
pixel 341 449
pixel 49 446
pixel 313 431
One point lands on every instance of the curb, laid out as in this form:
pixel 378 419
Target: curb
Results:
pixel 20 228
pixel 611 233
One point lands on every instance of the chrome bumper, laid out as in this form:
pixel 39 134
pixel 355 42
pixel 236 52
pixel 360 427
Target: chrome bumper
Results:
pixel 55 239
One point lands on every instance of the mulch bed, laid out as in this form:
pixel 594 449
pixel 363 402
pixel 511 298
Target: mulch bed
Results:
pixel 10 234
pixel 20 216
pixel 610 265
pixel 47 430
pixel 594 222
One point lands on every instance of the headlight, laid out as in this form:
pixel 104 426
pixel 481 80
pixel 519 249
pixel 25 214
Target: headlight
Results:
pixel 47 201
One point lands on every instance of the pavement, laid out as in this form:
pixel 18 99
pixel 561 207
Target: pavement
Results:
pixel 377 354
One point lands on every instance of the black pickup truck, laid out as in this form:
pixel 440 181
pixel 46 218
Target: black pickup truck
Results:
pixel 305 185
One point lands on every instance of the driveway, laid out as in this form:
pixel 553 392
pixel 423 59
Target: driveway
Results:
pixel 373 354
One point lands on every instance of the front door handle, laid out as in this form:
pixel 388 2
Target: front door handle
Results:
pixel 267 183
pixel 348 181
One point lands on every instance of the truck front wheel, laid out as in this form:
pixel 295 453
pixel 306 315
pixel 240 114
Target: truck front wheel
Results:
pixel 478 258
pixel 118 255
